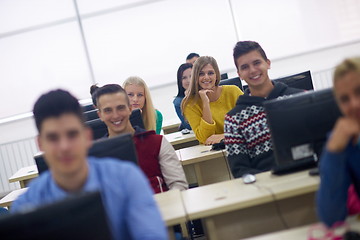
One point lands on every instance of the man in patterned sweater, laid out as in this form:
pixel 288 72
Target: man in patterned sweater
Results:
pixel 247 135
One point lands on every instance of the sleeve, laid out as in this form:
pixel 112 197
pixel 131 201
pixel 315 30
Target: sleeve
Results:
pixel 21 203
pixel 201 128
pixel 184 124
pixel 143 216
pixel 159 120
pixel 171 168
pixel 238 158
pixel 332 195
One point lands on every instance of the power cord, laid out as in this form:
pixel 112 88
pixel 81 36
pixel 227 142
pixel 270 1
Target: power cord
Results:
pixel 275 201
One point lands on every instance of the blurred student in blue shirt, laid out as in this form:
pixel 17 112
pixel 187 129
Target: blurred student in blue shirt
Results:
pixel 340 161
pixel 65 140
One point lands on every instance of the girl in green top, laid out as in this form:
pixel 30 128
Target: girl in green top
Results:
pixel 139 95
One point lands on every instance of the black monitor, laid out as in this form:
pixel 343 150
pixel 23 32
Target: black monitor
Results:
pixel 299 125
pixel 99 128
pixel 120 147
pixel 224 76
pixel 232 81
pixel 78 217
pixel 91 115
pixel 301 80
pixel 87 107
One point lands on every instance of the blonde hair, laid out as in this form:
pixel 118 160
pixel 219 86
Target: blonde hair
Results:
pixel 348 65
pixel 148 111
pixel 192 94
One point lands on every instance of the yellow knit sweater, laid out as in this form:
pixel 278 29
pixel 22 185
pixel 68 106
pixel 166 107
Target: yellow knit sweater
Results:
pixel 226 102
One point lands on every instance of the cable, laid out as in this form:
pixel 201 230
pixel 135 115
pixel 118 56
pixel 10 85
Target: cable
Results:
pixel 227 164
pixel 190 231
pixel 277 207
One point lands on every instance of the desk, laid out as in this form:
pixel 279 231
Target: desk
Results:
pixel 179 140
pixel 204 166
pixel 234 210
pixel 24 175
pixel 8 199
pixel 301 233
pixel 172 210
pixel 171 128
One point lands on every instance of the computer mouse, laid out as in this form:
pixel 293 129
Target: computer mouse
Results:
pixel 248 178
pixel 185 131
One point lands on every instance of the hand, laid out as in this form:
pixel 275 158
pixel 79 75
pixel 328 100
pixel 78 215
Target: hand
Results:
pixel 204 94
pixel 216 138
pixel 345 130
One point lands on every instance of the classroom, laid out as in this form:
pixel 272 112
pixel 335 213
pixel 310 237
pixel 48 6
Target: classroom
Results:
pixel 73 44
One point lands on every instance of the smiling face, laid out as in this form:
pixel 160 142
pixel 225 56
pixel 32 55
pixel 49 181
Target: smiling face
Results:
pixel 186 77
pixel 115 113
pixel 253 69
pixel 65 142
pixel 136 95
pixel 207 77
pixel 347 93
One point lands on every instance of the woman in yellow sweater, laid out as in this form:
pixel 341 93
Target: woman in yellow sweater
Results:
pixel 206 103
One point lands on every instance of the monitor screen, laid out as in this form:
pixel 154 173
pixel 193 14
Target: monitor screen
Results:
pixel 77 217
pixel 300 80
pixel 87 107
pixel 120 147
pixel 232 81
pixel 299 125
pixel 90 115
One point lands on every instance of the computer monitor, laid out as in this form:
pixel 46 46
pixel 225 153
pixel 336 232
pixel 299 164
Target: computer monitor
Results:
pixel 120 147
pixel 99 128
pixel 77 217
pixel 232 81
pixel 87 107
pixel 299 125
pixel 224 76
pixel 301 80
pixel 91 115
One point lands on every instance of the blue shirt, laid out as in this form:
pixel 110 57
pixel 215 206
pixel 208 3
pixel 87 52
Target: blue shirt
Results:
pixel 177 104
pixel 337 172
pixel 126 194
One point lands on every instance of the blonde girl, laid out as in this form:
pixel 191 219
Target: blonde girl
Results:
pixel 139 95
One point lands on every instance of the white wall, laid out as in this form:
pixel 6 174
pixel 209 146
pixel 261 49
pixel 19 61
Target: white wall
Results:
pixel 43 47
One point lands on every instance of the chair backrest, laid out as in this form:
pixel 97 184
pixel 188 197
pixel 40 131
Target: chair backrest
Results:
pixel 232 81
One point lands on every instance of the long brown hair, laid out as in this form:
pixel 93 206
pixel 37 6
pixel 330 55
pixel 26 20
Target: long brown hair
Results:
pixel 192 94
